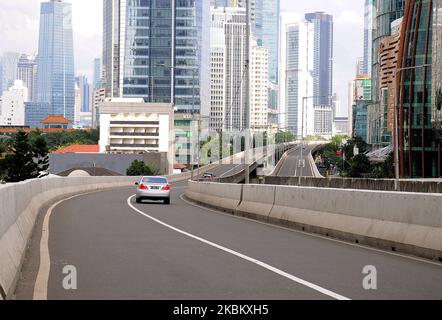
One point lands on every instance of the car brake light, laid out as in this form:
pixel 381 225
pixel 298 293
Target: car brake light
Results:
pixel 143 187
pixel 167 187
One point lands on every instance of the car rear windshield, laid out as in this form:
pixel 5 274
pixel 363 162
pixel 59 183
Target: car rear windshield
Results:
pixel 155 180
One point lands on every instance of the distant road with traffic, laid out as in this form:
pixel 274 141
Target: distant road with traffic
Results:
pixel 289 167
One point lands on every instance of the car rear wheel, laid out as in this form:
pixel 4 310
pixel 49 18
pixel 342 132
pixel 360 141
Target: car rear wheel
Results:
pixel 167 201
pixel 138 200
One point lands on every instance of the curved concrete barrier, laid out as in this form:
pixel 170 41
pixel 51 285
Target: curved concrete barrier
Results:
pixel 257 200
pixel 311 160
pixel 402 221
pixel 215 194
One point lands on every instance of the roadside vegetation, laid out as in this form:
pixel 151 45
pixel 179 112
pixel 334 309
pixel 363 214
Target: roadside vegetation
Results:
pixel 338 158
pixel 139 168
pixel 23 158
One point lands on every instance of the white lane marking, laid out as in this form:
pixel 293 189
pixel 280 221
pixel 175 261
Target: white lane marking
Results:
pixel 313 234
pixel 41 283
pixel 242 256
pixel 42 280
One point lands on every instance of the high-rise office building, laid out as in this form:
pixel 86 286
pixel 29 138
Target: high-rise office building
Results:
pixel 9 63
pixel 85 92
pixel 264 18
pixel 369 10
pixel 323 57
pixel 386 11
pixel 360 66
pixel 296 75
pixel 351 102
pixel 419 152
pixel 97 73
pixel 157 50
pixel 111 47
pixel 228 60
pixel 27 72
pixel 362 99
pixel 77 107
pixel 269 37
pixel 55 74
pixel 12 103
pixel 217 70
pixel 323 120
pixel 259 94
pixel 388 59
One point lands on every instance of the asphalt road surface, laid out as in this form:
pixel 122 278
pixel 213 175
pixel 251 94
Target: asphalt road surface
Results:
pixel 289 167
pixel 226 170
pixel 124 250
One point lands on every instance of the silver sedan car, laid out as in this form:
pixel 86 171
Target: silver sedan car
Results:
pixel 153 188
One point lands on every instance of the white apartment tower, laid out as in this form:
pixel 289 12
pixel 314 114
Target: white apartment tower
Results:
pixel 12 105
pixel 217 71
pixel 228 64
pixel 259 94
pixel 296 75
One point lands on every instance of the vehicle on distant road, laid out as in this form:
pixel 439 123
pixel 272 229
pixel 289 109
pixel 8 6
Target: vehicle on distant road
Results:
pixel 209 176
pixel 153 188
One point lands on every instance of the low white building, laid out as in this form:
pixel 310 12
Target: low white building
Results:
pixel 12 105
pixel 133 126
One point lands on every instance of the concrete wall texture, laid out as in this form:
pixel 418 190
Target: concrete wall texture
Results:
pixel 360 184
pixel 403 221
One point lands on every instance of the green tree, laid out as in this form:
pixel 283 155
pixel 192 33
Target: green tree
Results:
pixel 359 143
pixel 41 157
pixel 359 166
pixel 284 136
pixel 139 168
pixel 4 145
pixel 20 165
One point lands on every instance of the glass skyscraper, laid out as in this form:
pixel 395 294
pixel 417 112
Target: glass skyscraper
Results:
pixel 323 57
pixel 369 9
pixel 156 50
pixel 97 73
pixel 269 36
pixel 387 11
pixel 419 153
pixel 55 74
pixel 264 17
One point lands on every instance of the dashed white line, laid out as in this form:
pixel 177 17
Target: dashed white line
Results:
pixel 242 256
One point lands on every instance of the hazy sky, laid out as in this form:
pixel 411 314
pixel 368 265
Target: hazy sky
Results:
pixel 19 24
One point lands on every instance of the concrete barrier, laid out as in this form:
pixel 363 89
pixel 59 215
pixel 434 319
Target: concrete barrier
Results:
pixel 402 221
pixel 20 204
pixel 215 194
pixel 405 185
pixel 257 200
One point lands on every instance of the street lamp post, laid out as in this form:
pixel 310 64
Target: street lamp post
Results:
pixel 247 76
pixel 396 123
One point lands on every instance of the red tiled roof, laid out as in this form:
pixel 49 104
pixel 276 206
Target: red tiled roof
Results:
pixel 79 148
pixel 56 119
pixel 179 166
pixel 46 130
